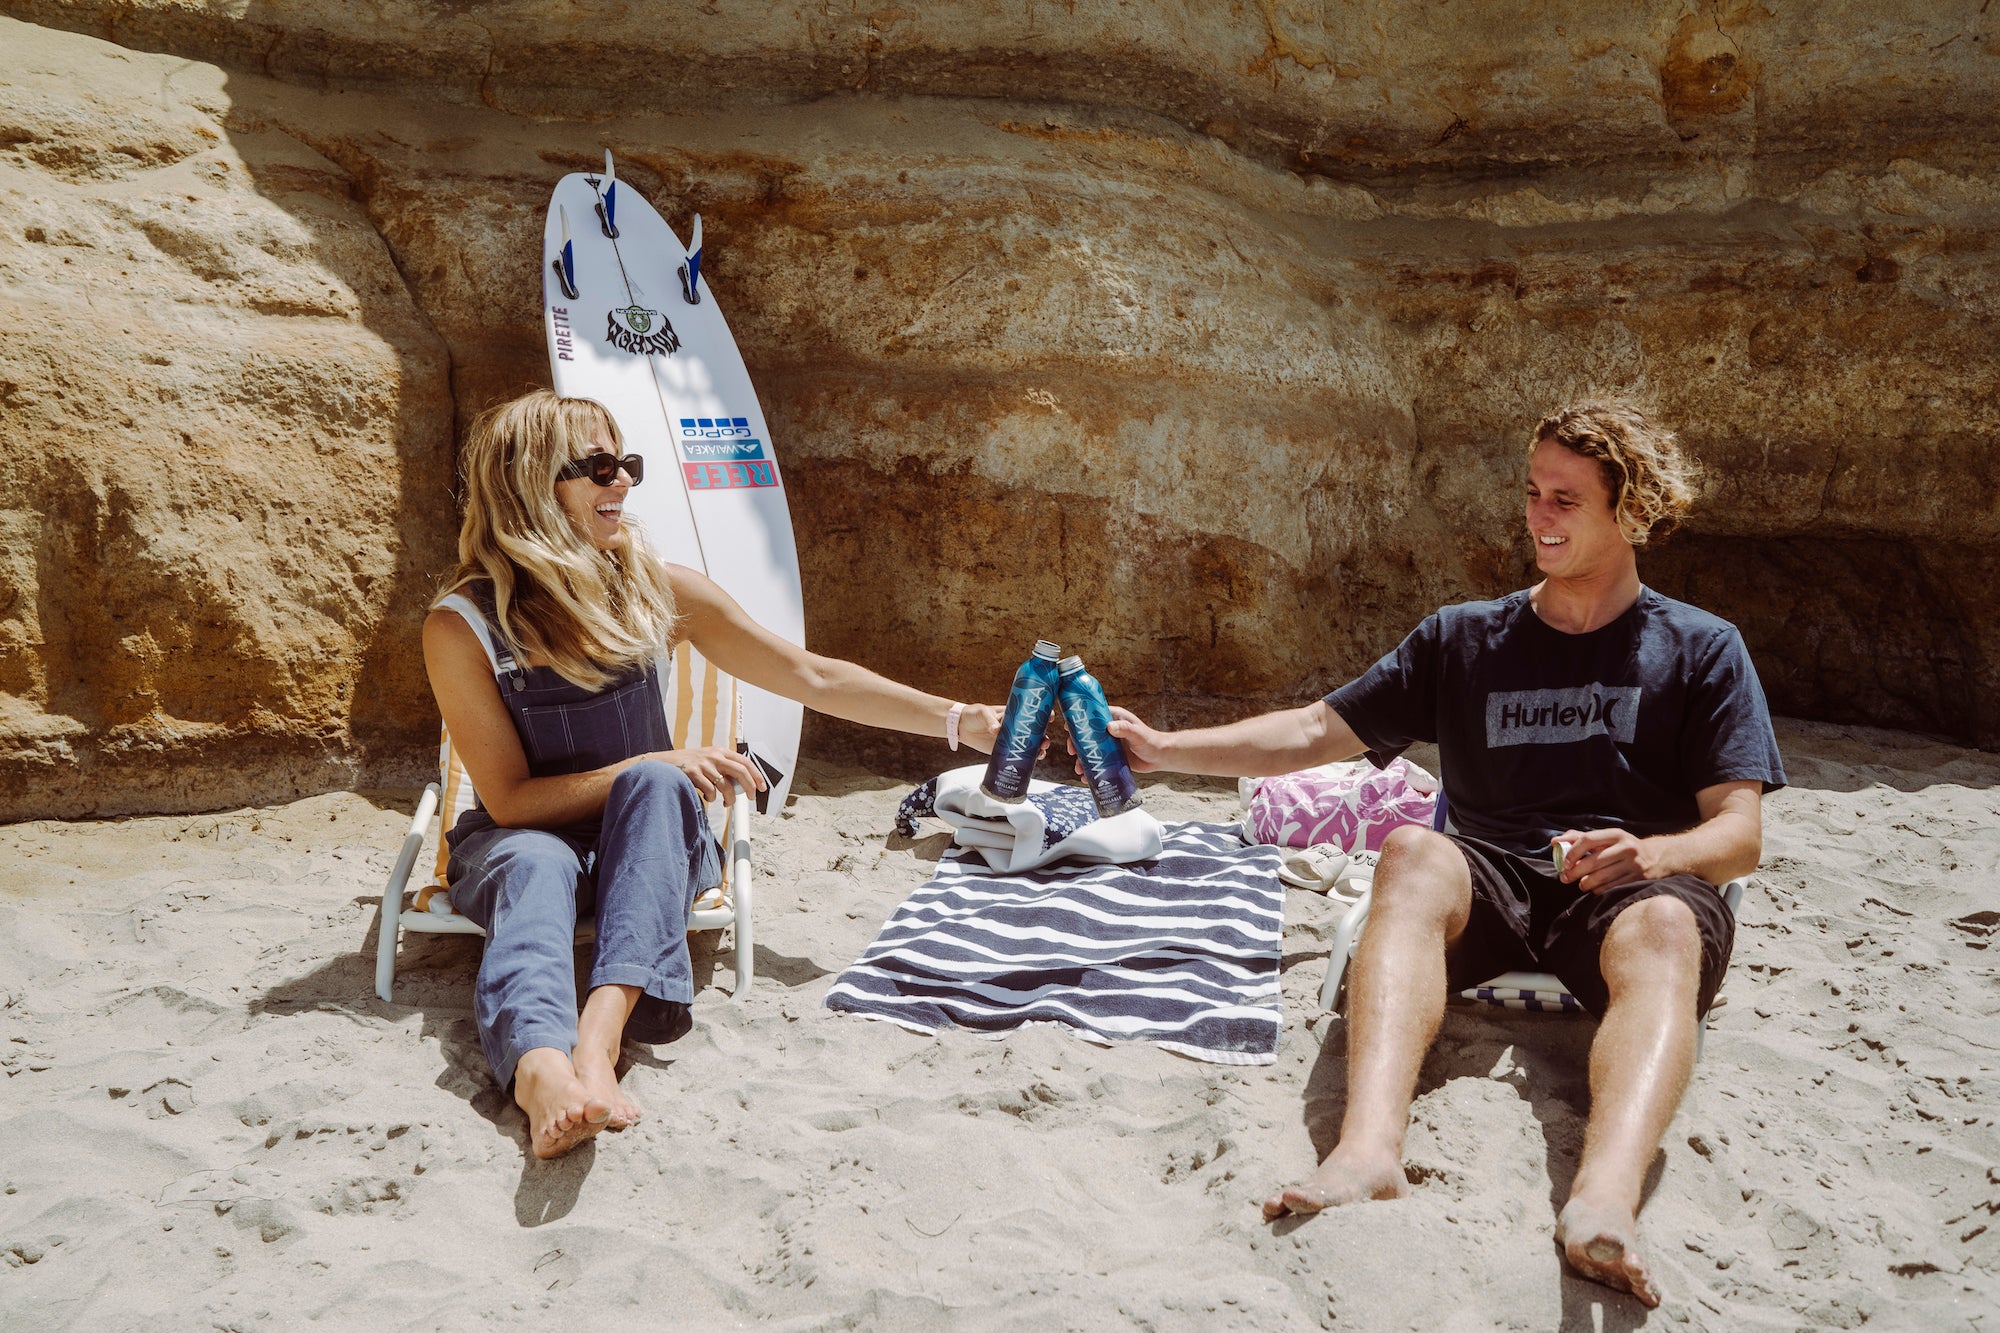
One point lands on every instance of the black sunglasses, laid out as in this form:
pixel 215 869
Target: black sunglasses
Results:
pixel 603 468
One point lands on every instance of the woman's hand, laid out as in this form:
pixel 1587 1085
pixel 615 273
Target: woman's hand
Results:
pixel 715 769
pixel 979 727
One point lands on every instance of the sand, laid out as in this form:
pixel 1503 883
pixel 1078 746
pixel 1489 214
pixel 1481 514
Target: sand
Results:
pixel 208 1120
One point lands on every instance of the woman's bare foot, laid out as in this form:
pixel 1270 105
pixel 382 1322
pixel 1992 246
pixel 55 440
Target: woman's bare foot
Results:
pixel 600 1035
pixel 599 1074
pixel 1603 1245
pixel 1340 1180
pixel 562 1111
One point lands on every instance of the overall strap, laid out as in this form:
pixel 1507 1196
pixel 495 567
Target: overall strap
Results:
pixel 498 654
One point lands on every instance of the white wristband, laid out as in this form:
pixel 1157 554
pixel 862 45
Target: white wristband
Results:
pixel 951 724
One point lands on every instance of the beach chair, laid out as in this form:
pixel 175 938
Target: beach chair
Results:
pixel 1534 992
pixel 703 709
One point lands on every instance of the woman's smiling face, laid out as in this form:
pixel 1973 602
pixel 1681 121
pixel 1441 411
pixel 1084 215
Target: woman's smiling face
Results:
pixel 597 511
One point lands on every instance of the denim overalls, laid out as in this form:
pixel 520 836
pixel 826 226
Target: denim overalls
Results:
pixel 639 866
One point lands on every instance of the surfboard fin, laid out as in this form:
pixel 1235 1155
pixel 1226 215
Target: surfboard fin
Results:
pixel 607 202
pixel 691 271
pixel 565 264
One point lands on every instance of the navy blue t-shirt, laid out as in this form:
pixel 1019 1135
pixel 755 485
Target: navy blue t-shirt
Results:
pixel 1540 731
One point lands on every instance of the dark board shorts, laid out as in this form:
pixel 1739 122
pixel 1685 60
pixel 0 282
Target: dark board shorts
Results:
pixel 1525 919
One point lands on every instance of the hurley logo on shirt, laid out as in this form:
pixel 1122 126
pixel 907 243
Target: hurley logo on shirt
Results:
pixel 1555 717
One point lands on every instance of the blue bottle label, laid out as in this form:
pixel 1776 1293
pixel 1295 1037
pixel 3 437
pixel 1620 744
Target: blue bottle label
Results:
pixel 1023 736
pixel 1088 715
pixel 1029 705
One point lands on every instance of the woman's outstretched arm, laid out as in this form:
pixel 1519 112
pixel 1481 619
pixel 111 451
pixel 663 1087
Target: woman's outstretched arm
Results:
pixel 724 633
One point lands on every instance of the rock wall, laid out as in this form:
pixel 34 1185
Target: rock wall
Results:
pixel 1202 338
pixel 228 437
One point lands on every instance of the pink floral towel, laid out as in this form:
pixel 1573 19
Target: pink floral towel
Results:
pixel 1351 805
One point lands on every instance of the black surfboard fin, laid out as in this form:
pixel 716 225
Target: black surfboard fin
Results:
pixel 772 775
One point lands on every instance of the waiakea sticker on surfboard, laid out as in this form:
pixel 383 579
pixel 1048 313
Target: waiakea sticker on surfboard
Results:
pixel 631 323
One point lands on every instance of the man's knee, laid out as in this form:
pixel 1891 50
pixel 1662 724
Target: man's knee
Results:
pixel 1421 871
pixel 1656 936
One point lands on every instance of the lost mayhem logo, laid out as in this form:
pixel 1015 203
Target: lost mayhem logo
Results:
pixel 631 329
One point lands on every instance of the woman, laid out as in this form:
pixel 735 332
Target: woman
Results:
pixel 584 797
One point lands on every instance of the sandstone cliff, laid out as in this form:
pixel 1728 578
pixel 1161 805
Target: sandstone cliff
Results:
pixel 1203 338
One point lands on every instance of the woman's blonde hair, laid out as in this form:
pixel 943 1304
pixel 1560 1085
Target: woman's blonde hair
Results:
pixel 590 614
pixel 1652 480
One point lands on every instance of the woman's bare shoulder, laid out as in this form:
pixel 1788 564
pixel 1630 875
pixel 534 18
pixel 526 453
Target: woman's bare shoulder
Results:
pixel 694 591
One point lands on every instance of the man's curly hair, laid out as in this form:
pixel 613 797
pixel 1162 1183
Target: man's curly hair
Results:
pixel 1652 480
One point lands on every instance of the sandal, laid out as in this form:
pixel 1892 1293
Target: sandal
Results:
pixel 1313 868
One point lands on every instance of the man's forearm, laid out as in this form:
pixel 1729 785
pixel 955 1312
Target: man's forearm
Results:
pixel 1719 849
pixel 1279 742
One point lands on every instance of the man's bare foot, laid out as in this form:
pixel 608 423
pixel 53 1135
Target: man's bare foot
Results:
pixel 1339 1180
pixel 562 1112
pixel 599 1075
pixel 1603 1245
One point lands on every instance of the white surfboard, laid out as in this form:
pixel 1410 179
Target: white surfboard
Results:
pixel 631 323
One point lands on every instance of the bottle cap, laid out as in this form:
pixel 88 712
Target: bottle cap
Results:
pixel 1069 666
pixel 1043 648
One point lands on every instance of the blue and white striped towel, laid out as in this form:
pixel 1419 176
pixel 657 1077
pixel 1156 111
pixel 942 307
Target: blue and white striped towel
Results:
pixel 1181 950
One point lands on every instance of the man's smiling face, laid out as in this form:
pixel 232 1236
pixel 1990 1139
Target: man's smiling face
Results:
pixel 1569 515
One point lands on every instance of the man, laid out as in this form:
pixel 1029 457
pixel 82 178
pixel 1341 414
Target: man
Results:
pixel 1588 709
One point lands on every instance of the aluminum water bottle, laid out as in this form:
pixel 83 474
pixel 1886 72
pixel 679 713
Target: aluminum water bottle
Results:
pixel 1088 715
pixel 1022 729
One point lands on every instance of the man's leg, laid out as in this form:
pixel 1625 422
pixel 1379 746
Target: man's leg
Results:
pixel 1639 1067
pixel 1395 998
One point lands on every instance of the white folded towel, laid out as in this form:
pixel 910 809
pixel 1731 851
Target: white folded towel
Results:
pixel 1054 823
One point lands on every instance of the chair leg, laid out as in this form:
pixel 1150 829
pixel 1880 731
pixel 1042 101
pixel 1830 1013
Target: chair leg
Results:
pixel 1732 897
pixel 1344 936
pixel 392 896
pixel 741 877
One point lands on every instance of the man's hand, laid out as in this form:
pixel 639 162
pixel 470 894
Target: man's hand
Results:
pixel 1145 749
pixel 1606 858
pixel 1121 723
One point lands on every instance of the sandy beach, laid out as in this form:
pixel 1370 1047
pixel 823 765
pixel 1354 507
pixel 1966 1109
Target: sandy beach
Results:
pixel 210 1121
